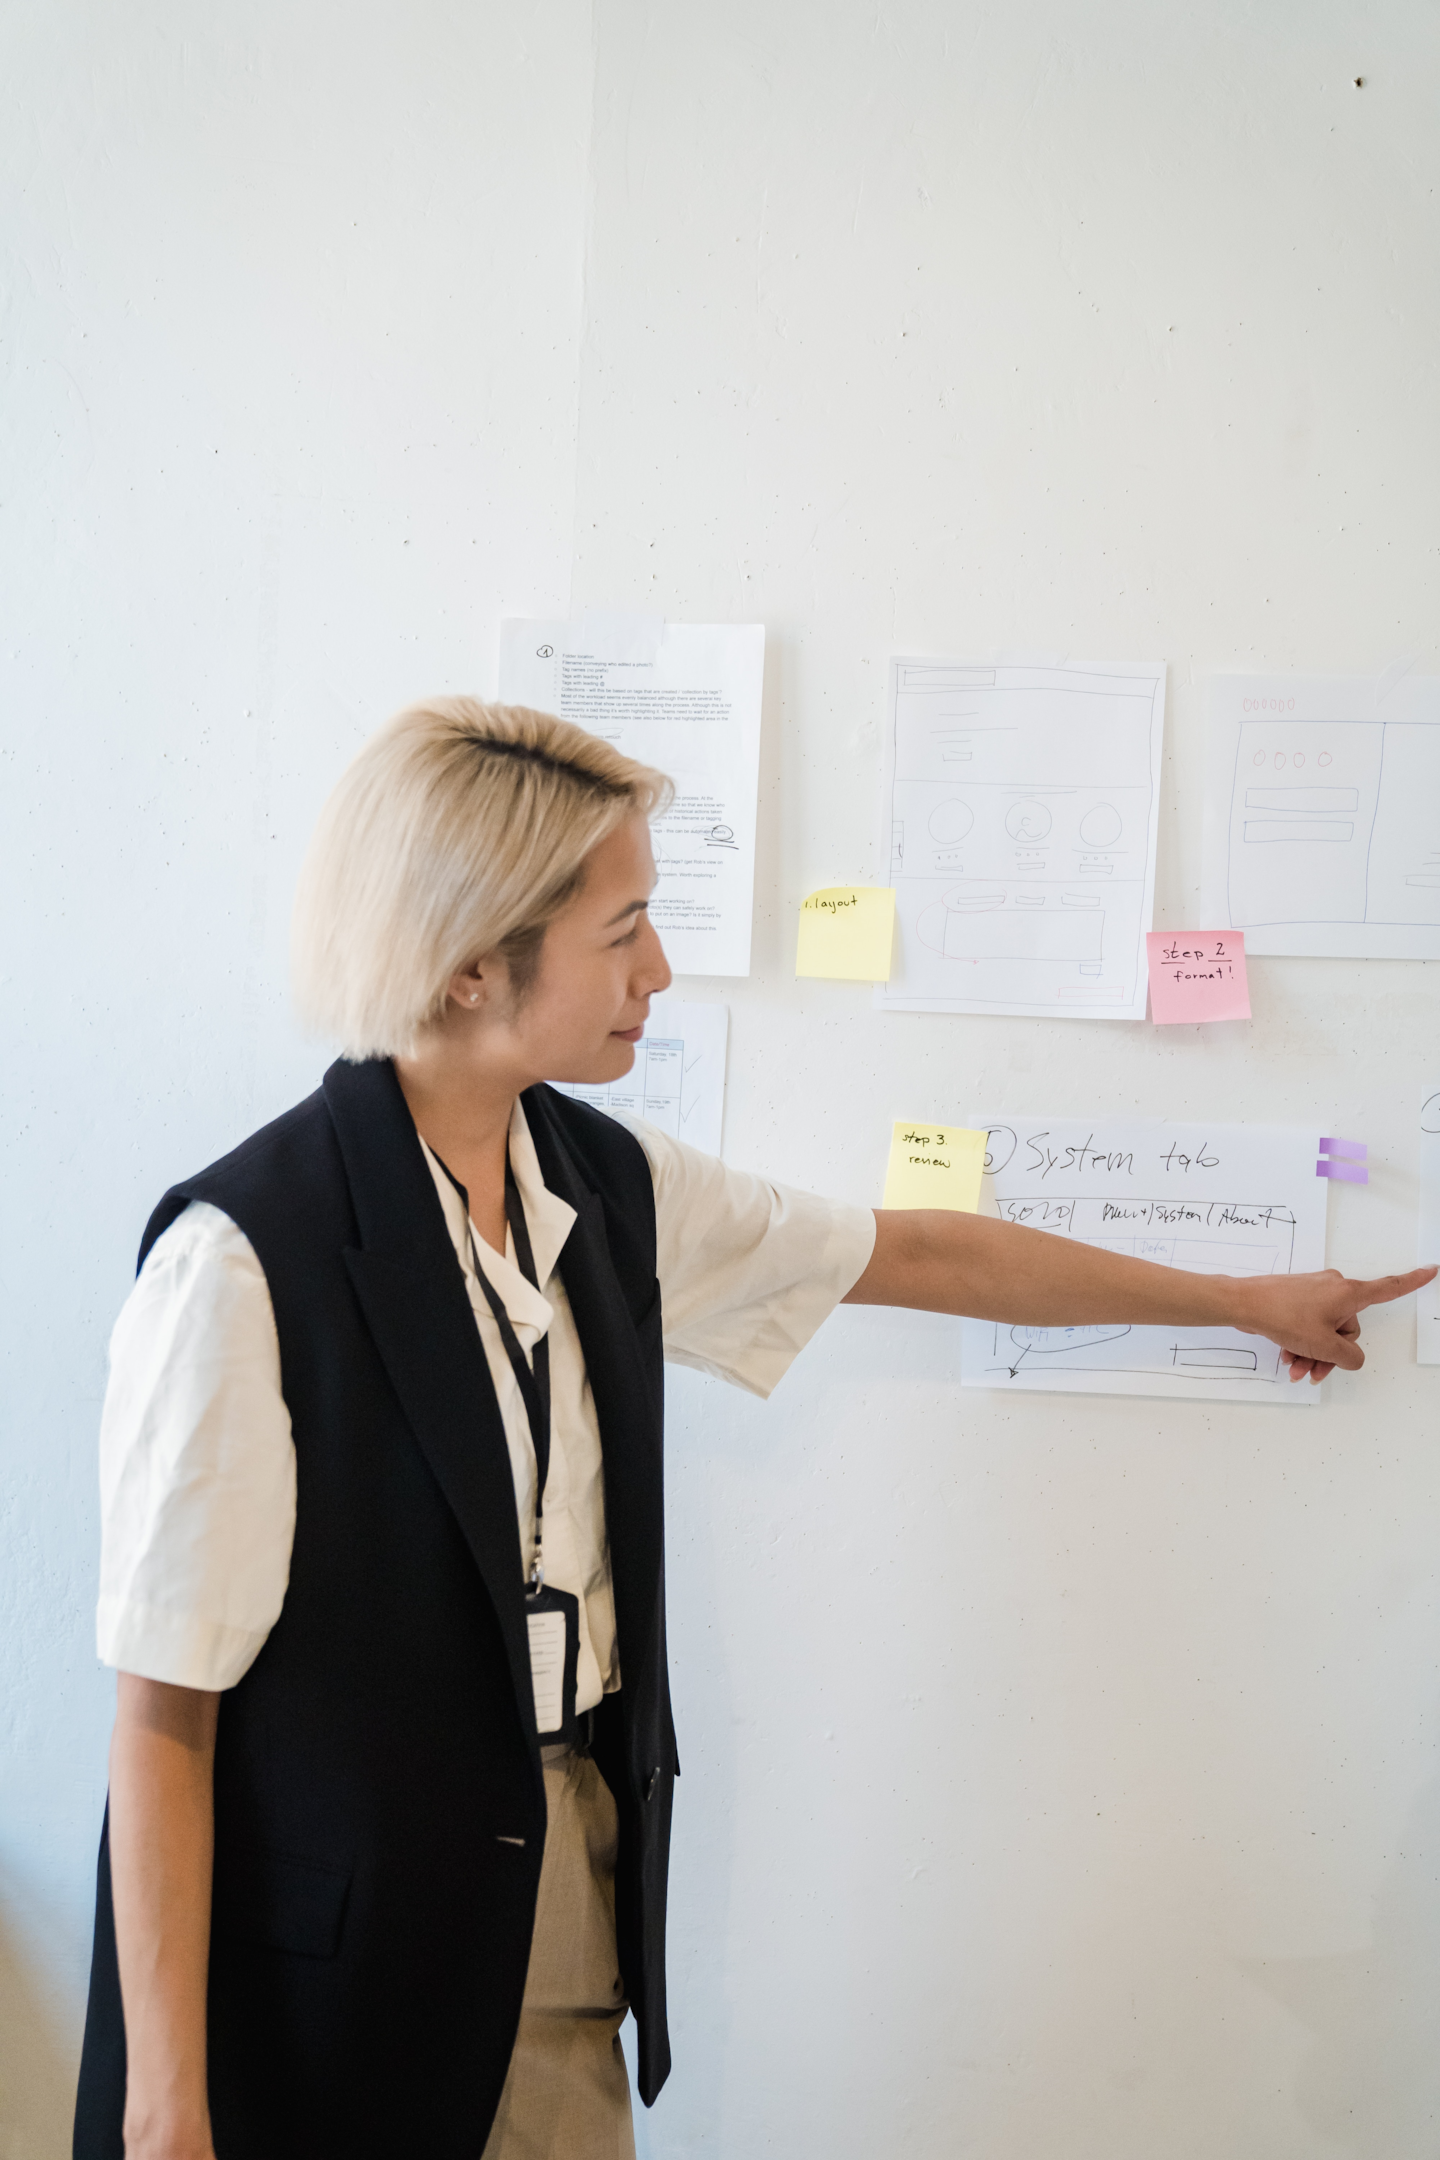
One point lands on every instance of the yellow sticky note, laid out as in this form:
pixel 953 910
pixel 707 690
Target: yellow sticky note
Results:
pixel 935 1166
pixel 846 931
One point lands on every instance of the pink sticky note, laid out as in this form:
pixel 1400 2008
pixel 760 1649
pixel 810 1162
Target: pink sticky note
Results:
pixel 1197 975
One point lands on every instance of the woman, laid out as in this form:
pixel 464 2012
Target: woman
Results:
pixel 385 1855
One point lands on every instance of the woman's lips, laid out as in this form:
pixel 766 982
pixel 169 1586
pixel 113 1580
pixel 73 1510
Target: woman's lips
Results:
pixel 628 1034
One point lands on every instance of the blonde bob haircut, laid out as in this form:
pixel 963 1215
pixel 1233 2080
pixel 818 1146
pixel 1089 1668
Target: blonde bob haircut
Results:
pixel 459 832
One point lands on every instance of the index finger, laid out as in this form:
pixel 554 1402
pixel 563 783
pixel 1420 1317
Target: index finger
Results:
pixel 1386 1287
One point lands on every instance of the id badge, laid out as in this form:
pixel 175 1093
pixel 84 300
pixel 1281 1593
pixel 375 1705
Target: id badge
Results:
pixel 552 1618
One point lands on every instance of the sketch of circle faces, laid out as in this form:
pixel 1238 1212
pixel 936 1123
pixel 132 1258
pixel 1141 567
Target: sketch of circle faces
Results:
pixel 1036 869
pixel 1029 821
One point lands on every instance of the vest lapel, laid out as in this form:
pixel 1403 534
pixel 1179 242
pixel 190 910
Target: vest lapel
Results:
pixel 413 1297
pixel 630 1420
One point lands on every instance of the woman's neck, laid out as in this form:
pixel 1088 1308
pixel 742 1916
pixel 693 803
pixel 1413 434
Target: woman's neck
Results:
pixel 463 1114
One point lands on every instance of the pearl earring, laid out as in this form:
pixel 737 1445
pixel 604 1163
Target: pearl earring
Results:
pixel 474 997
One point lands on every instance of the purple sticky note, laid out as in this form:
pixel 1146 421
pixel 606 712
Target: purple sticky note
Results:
pixel 1353 1150
pixel 1352 1173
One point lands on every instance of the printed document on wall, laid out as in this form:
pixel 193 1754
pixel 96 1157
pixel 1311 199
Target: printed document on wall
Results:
pixel 686 698
pixel 678 1079
pixel 1427 1303
pixel 1322 814
pixel 1216 1199
pixel 1020 808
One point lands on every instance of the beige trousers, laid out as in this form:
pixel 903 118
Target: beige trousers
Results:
pixel 567 2095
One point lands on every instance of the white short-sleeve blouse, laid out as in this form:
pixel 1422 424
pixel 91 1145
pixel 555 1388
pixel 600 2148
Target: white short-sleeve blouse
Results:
pixel 197 1464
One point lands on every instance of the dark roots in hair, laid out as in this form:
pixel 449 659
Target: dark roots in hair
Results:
pixel 530 754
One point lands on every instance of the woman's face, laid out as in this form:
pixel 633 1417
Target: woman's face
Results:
pixel 600 965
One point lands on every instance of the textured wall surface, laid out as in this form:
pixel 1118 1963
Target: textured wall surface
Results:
pixel 1060 1774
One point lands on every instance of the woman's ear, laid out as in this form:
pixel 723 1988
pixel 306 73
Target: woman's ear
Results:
pixel 470 988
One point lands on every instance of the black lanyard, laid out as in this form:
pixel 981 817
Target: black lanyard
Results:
pixel 532 1375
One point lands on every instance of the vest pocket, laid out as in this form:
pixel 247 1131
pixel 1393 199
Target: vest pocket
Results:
pixel 278 1902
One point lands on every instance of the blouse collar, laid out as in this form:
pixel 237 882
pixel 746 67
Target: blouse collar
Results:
pixel 548 1218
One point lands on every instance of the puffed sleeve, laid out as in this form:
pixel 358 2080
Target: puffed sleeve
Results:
pixel 748 1269
pixel 197 1463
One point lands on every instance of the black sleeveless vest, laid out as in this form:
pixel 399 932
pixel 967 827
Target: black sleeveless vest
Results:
pixel 379 1805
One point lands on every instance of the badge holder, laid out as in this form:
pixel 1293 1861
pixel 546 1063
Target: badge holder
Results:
pixel 552 1621
pixel 552 1617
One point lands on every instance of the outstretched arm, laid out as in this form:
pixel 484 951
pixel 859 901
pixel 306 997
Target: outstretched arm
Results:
pixel 947 1262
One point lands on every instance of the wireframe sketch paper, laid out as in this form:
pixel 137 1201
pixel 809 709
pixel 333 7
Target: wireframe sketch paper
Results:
pixel 1427 1304
pixel 1322 814
pixel 678 1079
pixel 1217 1199
pixel 685 697
pixel 1020 819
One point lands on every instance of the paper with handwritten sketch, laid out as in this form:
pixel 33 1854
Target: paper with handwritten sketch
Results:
pixel 1020 808
pixel 684 697
pixel 1322 814
pixel 1427 1304
pixel 678 1079
pixel 1216 1199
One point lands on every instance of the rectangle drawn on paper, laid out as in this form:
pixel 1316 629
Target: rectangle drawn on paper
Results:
pixel 1302 799
pixel 1007 792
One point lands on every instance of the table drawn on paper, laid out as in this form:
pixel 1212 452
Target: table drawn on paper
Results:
pixel 1213 1237
pixel 1022 835
pixel 653 1088
pixel 1224 1200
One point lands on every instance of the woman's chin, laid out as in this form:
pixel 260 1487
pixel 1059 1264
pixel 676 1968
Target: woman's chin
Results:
pixel 611 1062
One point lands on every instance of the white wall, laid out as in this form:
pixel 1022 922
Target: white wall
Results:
pixel 292 303
pixel 1060 1775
